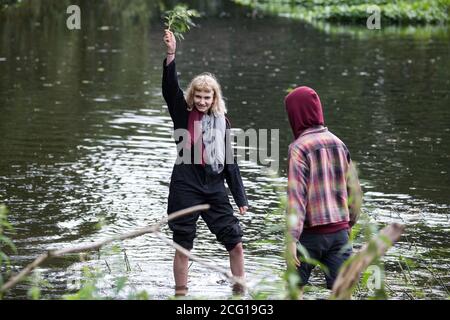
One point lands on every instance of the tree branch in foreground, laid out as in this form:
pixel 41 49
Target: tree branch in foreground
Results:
pixel 98 244
pixel 348 277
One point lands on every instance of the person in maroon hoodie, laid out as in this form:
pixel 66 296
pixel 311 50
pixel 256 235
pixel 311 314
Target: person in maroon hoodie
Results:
pixel 324 194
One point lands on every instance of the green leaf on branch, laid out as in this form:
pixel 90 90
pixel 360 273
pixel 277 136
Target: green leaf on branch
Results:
pixel 179 20
pixel 305 257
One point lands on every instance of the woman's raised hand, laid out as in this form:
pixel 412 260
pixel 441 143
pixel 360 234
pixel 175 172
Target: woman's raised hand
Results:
pixel 170 41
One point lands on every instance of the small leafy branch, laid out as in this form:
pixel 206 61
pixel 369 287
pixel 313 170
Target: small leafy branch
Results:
pixel 5 245
pixel 179 20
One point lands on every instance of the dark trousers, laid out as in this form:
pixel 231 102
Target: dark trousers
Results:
pixel 329 249
pixel 190 185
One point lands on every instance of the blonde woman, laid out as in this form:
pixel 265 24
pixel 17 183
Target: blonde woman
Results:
pixel 202 165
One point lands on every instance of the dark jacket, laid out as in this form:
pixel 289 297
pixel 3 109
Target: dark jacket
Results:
pixel 185 173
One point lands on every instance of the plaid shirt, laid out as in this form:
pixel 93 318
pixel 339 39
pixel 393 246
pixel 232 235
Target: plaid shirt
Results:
pixel 317 180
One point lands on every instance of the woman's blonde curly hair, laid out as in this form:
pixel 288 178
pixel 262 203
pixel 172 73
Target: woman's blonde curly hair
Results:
pixel 206 82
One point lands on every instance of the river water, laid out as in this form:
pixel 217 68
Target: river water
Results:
pixel 87 147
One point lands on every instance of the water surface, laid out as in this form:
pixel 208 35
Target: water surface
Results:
pixel 86 137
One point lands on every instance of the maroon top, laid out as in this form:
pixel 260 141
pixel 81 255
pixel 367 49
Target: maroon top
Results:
pixel 327 228
pixel 195 116
pixel 304 109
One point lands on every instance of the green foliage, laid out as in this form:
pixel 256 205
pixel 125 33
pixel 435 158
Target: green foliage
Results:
pixel 5 245
pixel 89 289
pixel 400 11
pixel 120 284
pixel 179 20
pixel 291 277
pixel 277 222
pixel 102 221
pixel 6 3
pixel 36 281
pixel 5 242
pixel 34 293
pixel 305 258
pixel 260 295
pixel 95 286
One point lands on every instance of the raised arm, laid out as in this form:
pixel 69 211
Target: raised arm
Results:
pixel 171 44
pixel 171 90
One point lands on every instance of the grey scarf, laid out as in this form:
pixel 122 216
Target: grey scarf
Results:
pixel 213 128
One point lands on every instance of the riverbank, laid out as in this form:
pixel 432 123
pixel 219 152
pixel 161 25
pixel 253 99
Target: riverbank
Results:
pixel 355 11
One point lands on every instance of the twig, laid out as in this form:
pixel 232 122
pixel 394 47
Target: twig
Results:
pixel 437 277
pixel 127 262
pixel 97 245
pixel 109 269
pixel 388 287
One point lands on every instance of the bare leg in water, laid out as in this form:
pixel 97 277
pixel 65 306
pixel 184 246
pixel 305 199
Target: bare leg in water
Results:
pixel 181 266
pixel 237 266
pixel 180 272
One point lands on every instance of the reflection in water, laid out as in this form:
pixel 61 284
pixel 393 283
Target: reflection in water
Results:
pixel 86 137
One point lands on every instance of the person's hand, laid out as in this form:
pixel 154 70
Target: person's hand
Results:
pixel 292 247
pixel 243 210
pixel 170 41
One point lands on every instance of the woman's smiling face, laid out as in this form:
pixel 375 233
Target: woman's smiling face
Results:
pixel 203 100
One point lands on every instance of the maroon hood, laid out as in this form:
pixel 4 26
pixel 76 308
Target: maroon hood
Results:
pixel 304 109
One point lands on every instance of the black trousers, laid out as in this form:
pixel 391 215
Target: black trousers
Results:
pixel 192 185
